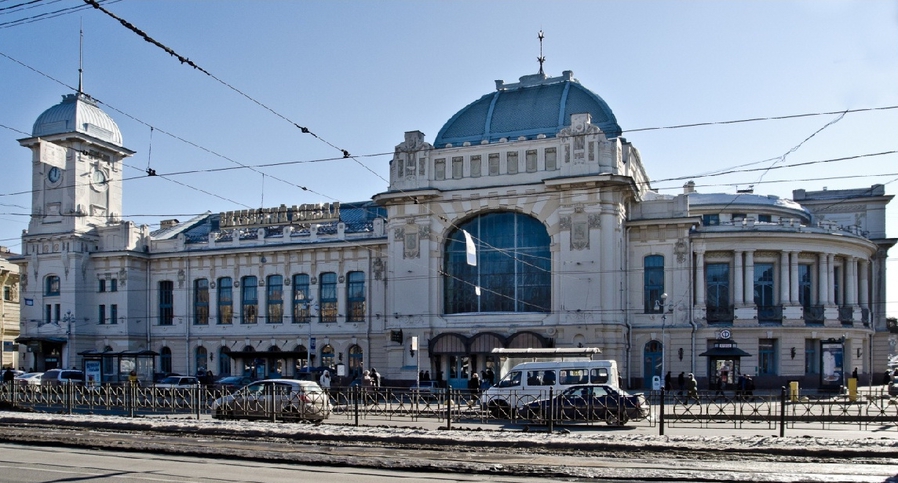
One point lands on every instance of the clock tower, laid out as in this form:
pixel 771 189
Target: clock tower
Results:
pixel 76 167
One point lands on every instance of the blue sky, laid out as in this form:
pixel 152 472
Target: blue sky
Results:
pixel 360 74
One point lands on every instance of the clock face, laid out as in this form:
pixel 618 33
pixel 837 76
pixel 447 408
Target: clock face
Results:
pixel 98 177
pixel 54 174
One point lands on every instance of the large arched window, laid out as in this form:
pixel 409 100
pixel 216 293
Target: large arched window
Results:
pixel 513 270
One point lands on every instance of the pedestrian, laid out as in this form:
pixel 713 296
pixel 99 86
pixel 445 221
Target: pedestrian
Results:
pixel 325 380
pixel 681 382
pixel 426 375
pixel 375 378
pixel 474 383
pixel 132 378
pixel 490 376
pixel 667 383
pixel 691 386
pixel 8 376
pixel 854 373
pixel 887 379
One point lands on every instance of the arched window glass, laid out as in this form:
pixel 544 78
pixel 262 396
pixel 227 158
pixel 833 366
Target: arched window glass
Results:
pixel 653 283
pixel 224 361
pixel 250 300
pixel 327 356
pixel 202 360
pixel 52 285
pixel 225 300
pixel 165 360
pixel 275 303
pixel 513 270
pixel 301 298
pixel 201 301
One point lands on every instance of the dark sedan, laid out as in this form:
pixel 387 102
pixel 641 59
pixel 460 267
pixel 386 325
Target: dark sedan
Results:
pixel 232 383
pixel 589 403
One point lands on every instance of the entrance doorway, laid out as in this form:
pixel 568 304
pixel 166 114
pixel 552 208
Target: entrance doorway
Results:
pixel 652 355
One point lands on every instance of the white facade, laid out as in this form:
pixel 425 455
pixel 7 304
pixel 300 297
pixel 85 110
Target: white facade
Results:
pixel 572 248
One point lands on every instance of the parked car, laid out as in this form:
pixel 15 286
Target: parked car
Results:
pixel 589 403
pixel 30 379
pixel 232 383
pixel 289 399
pixel 177 382
pixel 57 377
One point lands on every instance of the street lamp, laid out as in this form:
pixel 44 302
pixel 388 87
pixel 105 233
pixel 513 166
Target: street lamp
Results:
pixel 662 305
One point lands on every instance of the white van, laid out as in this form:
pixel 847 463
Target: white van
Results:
pixel 529 381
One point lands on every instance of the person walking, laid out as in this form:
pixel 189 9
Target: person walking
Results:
pixel 8 376
pixel 667 382
pixel 691 387
pixel 681 382
pixel 325 381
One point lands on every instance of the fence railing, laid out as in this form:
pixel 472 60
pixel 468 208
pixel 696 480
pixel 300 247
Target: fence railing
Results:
pixel 352 405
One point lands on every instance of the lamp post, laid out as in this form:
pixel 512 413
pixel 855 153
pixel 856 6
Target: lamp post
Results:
pixel 663 330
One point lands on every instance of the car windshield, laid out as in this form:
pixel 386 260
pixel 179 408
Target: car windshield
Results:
pixel 170 380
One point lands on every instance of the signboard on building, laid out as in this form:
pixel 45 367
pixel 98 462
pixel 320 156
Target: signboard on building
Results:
pixel 280 216
pixel 831 365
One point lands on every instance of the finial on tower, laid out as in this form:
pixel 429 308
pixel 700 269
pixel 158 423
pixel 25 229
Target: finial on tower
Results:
pixel 541 59
pixel 80 57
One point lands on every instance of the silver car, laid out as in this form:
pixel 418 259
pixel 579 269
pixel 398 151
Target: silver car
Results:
pixel 286 399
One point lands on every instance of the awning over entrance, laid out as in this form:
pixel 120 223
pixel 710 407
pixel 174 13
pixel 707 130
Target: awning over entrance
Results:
pixel 26 339
pixel 724 349
pixel 267 354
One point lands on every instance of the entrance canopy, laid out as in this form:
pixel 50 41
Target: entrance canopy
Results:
pixel 725 349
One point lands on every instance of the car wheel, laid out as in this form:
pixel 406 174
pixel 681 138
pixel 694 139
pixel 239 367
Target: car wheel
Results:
pixel 613 419
pixel 499 409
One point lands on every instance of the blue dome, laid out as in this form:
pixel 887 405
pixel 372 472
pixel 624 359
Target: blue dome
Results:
pixel 536 105
pixel 77 113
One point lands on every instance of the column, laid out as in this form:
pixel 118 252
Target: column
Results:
pixel 793 279
pixel 864 291
pixel 831 279
pixel 738 276
pixel 784 277
pixel 851 282
pixel 749 287
pixel 700 288
pixel 822 279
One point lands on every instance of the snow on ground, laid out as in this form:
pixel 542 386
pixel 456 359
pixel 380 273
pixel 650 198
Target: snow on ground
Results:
pixel 463 434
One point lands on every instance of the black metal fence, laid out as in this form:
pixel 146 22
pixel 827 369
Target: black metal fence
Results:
pixel 873 406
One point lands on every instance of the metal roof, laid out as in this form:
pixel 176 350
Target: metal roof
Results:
pixel 535 105
pixel 77 113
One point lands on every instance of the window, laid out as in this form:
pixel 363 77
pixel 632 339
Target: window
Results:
pixel 837 277
pixel 328 297
pixel 767 357
pixel 327 356
pixel 513 271
pixel 494 164
pixel 653 284
pixel 457 167
pixel 764 218
pixel 718 280
pixel 225 300
pixel 439 168
pixel 301 298
pixel 113 314
pixel 275 301
pixel 356 358
pixel 166 302
pixel 52 287
pixel 201 360
pixel 804 286
pixel 113 285
pixel 551 164
pixel 7 293
pixel 811 363
pixel 475 166
pixel 355 297
pixel 530 161
pixel 511 161
pixel 165 360
pixel 710 220
pixel 102 287
pixel 101 315
pixel 201 301
pixel 250 300
pixel 764 285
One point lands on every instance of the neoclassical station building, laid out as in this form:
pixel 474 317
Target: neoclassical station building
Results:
pixel 528 221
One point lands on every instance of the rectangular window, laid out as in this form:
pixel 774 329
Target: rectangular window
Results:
pixel 166 302
pixel 57 313
pixel 653 283
pixel 764 218
pixel 439 169
pixel 301 299
pixel 475 166
pixel 101 315
pixel 328 297
pixel 201 301
pixel 767 357
pixel 355 297
pixel 225 300
pixel 458 166
pixel 102 287
pixel 275 300
pixel 551 162
pixel 531 161
pixel 7 293
pixel 511 161
pixel 718 279
pixel 410 168
pixel 764 285
pixel 710 220
pixel 804 286
pixel 113 285
pixel 494 164
pixel 249 300
pixel 52 285
pixel 811 362
pixel 113 314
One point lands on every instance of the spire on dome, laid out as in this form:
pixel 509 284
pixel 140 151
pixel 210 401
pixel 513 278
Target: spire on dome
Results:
pixel 541 59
